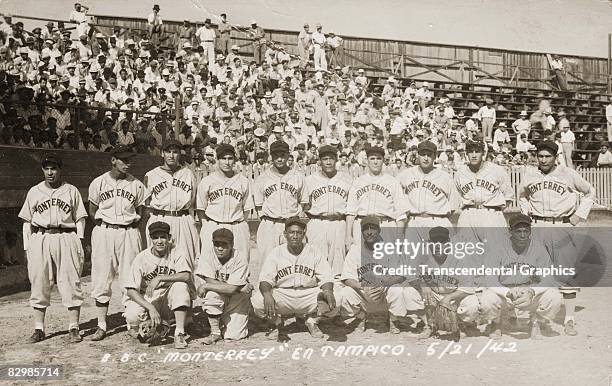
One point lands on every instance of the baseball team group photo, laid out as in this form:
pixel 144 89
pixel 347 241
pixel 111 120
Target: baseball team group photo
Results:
pixel 214 180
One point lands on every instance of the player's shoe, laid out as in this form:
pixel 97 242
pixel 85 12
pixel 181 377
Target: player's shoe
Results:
pixel 493 330
pixel 313 329
pixel 211 339
pixel 74 336
pixel 425 334
pixel 180 341
pixel 362 318
pixel 37 336
pixel 393 325
pixel 98 335
pixel 469 329
pixel 570 328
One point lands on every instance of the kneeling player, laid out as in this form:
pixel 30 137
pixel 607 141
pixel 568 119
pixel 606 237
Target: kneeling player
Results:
pixel 158 284
pixel 226 298
pixel 366 291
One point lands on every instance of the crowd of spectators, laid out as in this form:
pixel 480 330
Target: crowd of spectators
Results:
pixel 133 87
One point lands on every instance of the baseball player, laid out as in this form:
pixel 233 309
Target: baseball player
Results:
pixel 172 188
pixel 116 199
pixel 366 291
pixel 224 272
pixel 327 193
pixel 291 280
pixel 430 194
pixel 54 221
pixel 158 284
pixel 278 194
pixel 485 192
pixel 556 196
pixel 532 297
pixel 373 194
pixel 224 201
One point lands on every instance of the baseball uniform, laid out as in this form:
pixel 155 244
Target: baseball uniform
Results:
pixel 172 197
pixel 327 199
pixel 295 280
pixel 115 240
pixel 224 201
pixel 54 251
pixel 234 309
pixel 483 196
pixel 168 296
pixel 280 197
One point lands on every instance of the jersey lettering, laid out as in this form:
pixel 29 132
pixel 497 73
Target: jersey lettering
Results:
pixel 45 205
pixel 333 189
pixel 375 188
pixel 546 185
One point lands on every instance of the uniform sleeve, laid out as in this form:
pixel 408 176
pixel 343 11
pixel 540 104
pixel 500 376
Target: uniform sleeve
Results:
pixel 202 195
pixel 79 211
pixel 134 279
pixel 26 210
pixel 182 263
pixel 308 183
pixel 506 185
pixel 205 267
pixel 268 270
pixel 258 191
pixel 349 270
pixel 352 203
pixel 240 274
pixel 302 197
pixel 398 199
pixel 524 195
pixel 322 269
pixel 454 198
pixel 142 194
pixel 247 200
pixel 94 192
pixel 584 187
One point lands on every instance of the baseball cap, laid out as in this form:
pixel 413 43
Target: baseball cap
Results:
pixel 171 143
pixel 328 150
pixel 122 152
pixel 375 150
pixel 548 145
pixel 476 145
pixel 519 219
pixel 225 149
pixel 159 227
pixel 295 221
pixel 223 235
pixel 279 147
pixel 427 146
pixel 370 220
pixel 51 159
pixel 439 234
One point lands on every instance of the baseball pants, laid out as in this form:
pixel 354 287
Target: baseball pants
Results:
pixel 183 232
pixel 399 301
pixel 289 301
pixel 545 305
pixel 329 237
pixel 487 127
pixel 269 235
pixel 112 253
pixel 234 312
pixel 209 52
pixel 176 296
pixel 480 224
pixel 62 253
pixel 419 226
pixel 559 236
pixel 242 236
pixel 568 149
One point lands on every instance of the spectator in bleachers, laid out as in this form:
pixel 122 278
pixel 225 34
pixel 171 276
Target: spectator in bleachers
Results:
pixel 487 117
pixel 223 29
pixel 79 16
pixel 319 42
pixel 567 140
pixel 522 125
pixel 155 25
pixel 304 45
pixel 500 137
pixel 335 45
pixel 609 118
pixel 258 36
pixel 604 158
pixel 206 36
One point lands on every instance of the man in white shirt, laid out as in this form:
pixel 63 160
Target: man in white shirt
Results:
pixel 487 117
pixel 567 141
pixel 609 118
pixel 604 158
pixel 206 35
pixel 336 49
pixel 318 41
pixel 155 25
pixel 501 136
pixel 79 16
pixel 522 145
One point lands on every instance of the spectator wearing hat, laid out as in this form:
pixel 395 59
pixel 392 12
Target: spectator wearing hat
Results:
pixel 319 42
pixel 257 34
pixel 522 124
pixel 155 25
pixel 567 139
pixel 501 136
pixel 604 157
pixel 79 16
pixel 424 95
pixel 186 34
pixel 304 45
pixel 206 36
pixel 223 29
pixel 335 46
pixel 487 117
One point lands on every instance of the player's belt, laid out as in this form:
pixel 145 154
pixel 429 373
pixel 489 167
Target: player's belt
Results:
pixel 174 213
pixel 381 218
pixel 52 231
pixel 104 224
pixel 329 217
pixel 207 41
pixel 273 219
pixel 428 215
pixel 222 222
pixel 553 220
pixel 480 206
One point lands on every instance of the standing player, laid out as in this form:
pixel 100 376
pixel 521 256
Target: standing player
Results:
pixel 373 194
pixel 224 201
pixel 278 193
pixel 225 273
pixel 327 193
pixel 430 194
pixel 172 188
pixel 293 277
pixel 158 284
pixel 116 199
pixel 557 196
pixel 485 192
pixel 366 291
pixel 54 221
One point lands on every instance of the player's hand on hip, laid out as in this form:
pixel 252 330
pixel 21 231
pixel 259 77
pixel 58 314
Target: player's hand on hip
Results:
pixel 155 317
pixel 270 306
pixel 152 287
pixel 575 220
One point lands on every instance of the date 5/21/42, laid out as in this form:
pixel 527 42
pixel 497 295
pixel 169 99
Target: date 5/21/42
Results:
pixel 439 349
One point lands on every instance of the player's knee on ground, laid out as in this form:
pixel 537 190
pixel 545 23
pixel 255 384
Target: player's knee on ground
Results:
pixel 468 309
pixel 213 303
pixel 258 304
pixel 350 302
pixel 549 303
pixel 490 305
pixel 135 313
pixel 178 296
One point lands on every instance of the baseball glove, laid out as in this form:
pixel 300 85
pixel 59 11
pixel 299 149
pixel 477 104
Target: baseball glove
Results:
pixel 445 319
pixel 323 308
pixel 521 296
pixel 153 336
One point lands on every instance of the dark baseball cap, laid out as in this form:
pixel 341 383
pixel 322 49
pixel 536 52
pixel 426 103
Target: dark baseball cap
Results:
pixel 375 150
pixel 159 227
pixel 295 220
pixel 51 160
pixel 225 149
pixel 552 147
pixel 519 219
pixel 474 145
pixel 223 235
pixel 370 220
pixel 279 147
pixel 439 234
pixel 122 152
pixel 327 150
pixel 427 146
pixel 172 143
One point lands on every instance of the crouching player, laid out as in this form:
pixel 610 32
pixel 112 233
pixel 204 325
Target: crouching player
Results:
pixel 367 289
pixel 158 285
pixel 225 290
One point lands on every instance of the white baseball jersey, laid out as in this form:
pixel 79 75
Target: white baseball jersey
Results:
pixel 489 186
pixel 235 271
pixel 374 195
pixel 171 192
pixel 53 208
pixel 359 265
pixel 441 283
pixel 224 199
pixel 307 270
pixel 328 195
pixel 432 193
pixel 146 266
pixel 117 200
pixel 279 195
pixel 556 194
